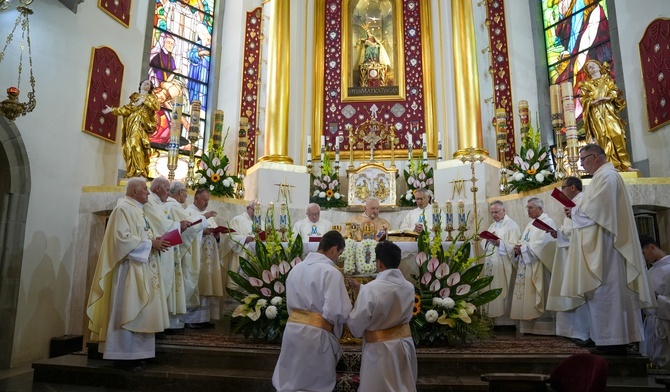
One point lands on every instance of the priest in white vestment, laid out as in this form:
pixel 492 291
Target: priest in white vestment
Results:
pixel 210 279
pixel 656 344
pixel 500 262
pixel 572 320
pixel 371 214
pixel 184 266
pixel 318 306
pixel 126 306
pixel 381 316
pixel 313 225
pixel 535 258
pixel 414 220
pixel 161 222
pixel 243 224
pixel 605 262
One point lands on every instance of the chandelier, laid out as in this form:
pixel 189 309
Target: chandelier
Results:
pixel 11 108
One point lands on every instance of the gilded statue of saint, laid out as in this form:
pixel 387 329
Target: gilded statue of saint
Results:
pixel 139 122
pixel 602 102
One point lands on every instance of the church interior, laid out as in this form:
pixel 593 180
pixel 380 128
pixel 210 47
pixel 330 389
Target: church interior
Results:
pixel 291 102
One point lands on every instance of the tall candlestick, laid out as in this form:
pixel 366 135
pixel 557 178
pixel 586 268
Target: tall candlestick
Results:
pixel 194 126
pixel 436 215
pixel 461 213
pixel 555 98
pixel 449 213
pixel 270 216
pixel 524 119
pixel 175 134
pixel 218 129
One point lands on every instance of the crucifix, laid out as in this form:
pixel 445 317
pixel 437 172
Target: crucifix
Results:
pixel 284 191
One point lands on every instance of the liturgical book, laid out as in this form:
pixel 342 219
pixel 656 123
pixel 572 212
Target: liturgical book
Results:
pixel 561 197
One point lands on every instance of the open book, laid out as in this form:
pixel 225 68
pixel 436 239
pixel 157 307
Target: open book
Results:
pixel 561 197
pixel 403 233
pixel 543 226
pixel 487 235
pixel 223 230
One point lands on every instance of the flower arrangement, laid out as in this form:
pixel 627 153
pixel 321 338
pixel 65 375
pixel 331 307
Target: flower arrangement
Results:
pixel 447 294
pixel 418 175
pixel 212 172
pixel 531 168
pixel 261 290
pixel 359 257
pixel 325 189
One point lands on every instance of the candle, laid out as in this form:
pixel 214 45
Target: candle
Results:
pixel 436 214
pixel 568 104
pixel 439 146
pixel 554 97
pixel 217 129
pixel 423 147
pixel 283 215
pixel 257 215
pixel 194 127
pixel 461 213
pixel 337 151
pixel 270 216
pixel 309 154
pixel 175 124
pixel 449 213
pixel 323 147
pixel 409 140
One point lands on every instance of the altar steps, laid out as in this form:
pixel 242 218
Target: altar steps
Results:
pixel 250 370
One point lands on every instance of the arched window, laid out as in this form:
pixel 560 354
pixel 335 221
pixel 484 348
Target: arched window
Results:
pixel 179 63
pixel 575 31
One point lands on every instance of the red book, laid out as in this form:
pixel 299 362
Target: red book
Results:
pixel 487 235
pixel 561 197
pixel 314 239
pixel 173 237
pixel 261 235
pixel 542 226
pixel 223 230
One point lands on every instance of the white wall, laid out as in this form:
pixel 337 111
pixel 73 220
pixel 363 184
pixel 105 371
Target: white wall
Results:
pixel 62 157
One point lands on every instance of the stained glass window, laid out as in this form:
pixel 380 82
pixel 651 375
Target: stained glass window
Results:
pixel 575 31
pixel 179 63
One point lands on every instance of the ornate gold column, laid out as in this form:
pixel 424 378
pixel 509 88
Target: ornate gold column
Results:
pixel 276 113
pixel 468 110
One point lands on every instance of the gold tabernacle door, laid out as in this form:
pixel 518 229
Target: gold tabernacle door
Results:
pixel 372 180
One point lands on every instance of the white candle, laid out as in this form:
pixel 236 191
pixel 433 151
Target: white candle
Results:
pixel 423 147
pixel 439 146
pixel 337 150
pixel 309 154
pixel 323 147
pixel 409 140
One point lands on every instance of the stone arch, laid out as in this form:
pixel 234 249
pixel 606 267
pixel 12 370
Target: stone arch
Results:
pixel 14 197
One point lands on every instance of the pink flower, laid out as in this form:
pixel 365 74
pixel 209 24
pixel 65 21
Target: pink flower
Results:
pixel 255 282
pixel 295 261
pixel 323 186
pixel 335 183
pixel 410 180
pixel 422 176
pixel 433 264
pixel 442 270
pixel 421 258
pixel 274 270
pixel 425 279
pixel 429 181
pixel 279 287
pixel 463 289
pixel 435 285
pixel 317 182
pixel 267 276
pixel 284 267
pixel 445 292
pixel 453 279
pixel 266 292
pixel 331 186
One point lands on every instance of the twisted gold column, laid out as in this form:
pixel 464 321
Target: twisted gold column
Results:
pixel 468 110
pixel 276 114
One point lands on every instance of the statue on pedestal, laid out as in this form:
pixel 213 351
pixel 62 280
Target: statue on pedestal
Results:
pixel 602 102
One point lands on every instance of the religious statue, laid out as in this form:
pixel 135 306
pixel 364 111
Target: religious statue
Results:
pixel 602 102
pixel 139 121
pixel 373 60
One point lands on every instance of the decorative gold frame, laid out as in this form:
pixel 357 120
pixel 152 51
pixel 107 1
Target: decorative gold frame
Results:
pixel 428 85
pixel 398 55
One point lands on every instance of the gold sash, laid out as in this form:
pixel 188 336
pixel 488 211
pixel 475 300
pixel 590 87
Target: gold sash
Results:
pixel 393 333
pixel 310 318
